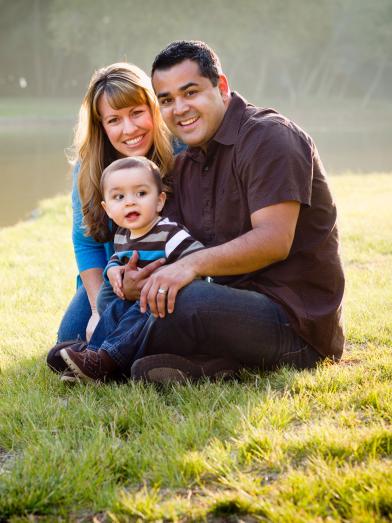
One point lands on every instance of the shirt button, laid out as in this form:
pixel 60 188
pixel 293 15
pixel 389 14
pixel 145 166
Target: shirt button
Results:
pixel 205 168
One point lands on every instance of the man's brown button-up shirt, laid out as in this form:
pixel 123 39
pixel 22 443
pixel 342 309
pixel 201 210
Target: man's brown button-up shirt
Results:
pixel 256 159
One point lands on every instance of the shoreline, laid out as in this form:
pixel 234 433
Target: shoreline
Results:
pixel 22 121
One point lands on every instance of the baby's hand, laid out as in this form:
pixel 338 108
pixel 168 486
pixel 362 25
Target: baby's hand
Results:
pixel 115 276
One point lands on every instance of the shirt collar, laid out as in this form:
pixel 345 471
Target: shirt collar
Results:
pixel 228 131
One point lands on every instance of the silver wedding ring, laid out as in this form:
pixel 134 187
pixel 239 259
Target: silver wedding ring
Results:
pixel 162 291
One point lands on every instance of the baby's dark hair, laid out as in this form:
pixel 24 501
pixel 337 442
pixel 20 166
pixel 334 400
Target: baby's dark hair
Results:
pixel 195 50
pixel 130 163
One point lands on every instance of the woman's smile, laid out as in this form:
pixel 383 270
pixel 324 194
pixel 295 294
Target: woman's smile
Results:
pixel 134 141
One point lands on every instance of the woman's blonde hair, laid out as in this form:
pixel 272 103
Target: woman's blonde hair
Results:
pixel 124 85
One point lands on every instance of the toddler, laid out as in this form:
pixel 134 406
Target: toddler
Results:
pixel 133 197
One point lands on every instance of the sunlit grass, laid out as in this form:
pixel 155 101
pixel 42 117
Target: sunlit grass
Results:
pixel 287 446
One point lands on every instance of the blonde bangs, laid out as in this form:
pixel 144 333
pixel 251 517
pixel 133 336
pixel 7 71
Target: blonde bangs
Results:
pixel 119 94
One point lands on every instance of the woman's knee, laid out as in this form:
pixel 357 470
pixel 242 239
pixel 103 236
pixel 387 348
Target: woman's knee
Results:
pixel 74 322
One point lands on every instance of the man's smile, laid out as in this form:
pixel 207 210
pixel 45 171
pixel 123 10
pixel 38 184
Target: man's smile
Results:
pixel 188 122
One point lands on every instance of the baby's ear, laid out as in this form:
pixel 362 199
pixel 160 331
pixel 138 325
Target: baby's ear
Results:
pixel 161 201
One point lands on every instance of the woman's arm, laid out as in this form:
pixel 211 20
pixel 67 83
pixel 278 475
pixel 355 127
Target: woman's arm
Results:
pixel 90 255
pixel 92 281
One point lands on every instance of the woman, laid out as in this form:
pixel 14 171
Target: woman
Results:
pixel 119 117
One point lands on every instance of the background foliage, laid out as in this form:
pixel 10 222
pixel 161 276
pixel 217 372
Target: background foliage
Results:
pixel 291 49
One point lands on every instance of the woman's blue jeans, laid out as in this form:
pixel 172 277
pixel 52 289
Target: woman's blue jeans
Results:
pixel 74 323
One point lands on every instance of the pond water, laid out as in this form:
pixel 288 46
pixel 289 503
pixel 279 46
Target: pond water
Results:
pixel 33 165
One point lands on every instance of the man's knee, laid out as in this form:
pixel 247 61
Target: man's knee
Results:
pixel 194 295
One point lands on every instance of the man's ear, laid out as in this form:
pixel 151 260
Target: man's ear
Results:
pixel 224 89
pixel 161 201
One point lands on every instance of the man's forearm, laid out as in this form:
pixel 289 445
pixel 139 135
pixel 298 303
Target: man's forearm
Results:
pixel 268 242
pixel 242 255
pixel 252 251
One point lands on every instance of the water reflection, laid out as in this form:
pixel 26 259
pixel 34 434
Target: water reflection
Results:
pixel 33 165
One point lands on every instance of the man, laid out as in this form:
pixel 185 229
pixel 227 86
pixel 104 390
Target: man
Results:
pixel 251 187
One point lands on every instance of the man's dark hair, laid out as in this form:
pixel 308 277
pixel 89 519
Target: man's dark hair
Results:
pixel 194 50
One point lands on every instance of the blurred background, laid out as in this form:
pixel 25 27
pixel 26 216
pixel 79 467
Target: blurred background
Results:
pixel 327 64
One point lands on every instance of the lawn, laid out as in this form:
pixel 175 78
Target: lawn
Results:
pixel 287 446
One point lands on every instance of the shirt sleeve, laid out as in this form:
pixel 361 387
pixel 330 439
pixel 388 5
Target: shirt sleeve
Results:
pixel 89 254
pixel 276 165
pixel 180 243
pixel 114 261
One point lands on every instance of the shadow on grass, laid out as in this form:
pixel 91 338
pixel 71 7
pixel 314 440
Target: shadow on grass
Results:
pixel 62 445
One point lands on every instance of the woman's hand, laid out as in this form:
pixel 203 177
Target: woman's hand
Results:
pixel 115 276
pixel 92 323
pixel 134 279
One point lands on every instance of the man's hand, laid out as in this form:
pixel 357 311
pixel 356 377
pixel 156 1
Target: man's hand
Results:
pixel 134 279
pixel 115 276
pixel 161 288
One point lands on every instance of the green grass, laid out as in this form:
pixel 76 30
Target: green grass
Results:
pixel 288 446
